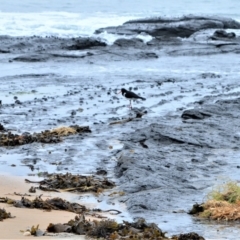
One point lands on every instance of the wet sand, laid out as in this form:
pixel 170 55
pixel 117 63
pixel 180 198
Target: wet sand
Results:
pixel 25 218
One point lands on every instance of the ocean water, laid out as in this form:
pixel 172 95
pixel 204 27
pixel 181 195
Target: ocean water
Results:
pixel 73 18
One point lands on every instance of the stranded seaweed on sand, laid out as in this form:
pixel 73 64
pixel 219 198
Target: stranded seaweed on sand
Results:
pixel 73 183
pixel 4 214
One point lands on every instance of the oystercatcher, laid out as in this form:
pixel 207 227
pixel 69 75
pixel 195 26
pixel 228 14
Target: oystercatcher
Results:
pixel 130 95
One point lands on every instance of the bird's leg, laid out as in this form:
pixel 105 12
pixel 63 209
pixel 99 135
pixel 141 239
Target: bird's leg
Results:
pixel 130 105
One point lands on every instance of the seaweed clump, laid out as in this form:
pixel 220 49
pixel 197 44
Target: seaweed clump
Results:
pixel 76 183
pixel 223 203
pixel 48 204
pixel 33 231
pixel 111 230
pixel 47 136
pixel 4 214
pixel 188 236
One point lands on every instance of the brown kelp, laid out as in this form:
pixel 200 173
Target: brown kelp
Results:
pixel 48 204
pixel 111 230
pixel 74 183
pixel 47 136
pixel 4 214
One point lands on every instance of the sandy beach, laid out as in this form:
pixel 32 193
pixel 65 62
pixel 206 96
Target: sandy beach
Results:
pixel 26 218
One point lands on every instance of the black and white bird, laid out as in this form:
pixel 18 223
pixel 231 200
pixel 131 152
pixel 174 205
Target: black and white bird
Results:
pixel 130 95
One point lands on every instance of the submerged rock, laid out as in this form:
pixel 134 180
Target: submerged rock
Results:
pixel 194 114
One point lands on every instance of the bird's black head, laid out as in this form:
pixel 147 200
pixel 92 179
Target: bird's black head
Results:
pixel 123 90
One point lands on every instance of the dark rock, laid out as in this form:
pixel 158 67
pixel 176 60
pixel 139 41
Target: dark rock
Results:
pixel 4 51
pixel 196 208
pixel 18 102
pixel 41 49
pixel 58 228
pixel 134 42
pixel 227 22
pixel 85 43
pixel 2 127
pixel 147 55
pixel 190 236
pixel 172 27
pixel 218 34
pixel 101 172
pixel 32 58
pixel 194 114
pixel 229 102
pixel 73 112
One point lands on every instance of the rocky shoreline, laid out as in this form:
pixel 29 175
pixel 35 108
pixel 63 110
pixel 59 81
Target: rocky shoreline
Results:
pixel 203 36
pixel 165 161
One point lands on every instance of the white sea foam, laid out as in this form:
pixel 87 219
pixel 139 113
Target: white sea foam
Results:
pixel 63 24
pixel 111 38
pixel 60 24
pixel 69 18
